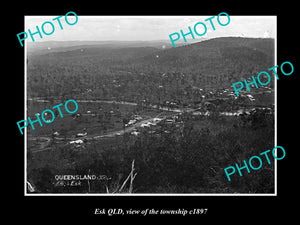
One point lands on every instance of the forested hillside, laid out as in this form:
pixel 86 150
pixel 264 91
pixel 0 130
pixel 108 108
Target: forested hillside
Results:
pixel 138 73
pixel 175 116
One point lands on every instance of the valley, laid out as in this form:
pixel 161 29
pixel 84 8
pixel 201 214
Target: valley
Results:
pixel 172 110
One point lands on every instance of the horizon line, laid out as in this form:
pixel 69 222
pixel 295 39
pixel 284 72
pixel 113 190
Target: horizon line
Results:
pixel 148 40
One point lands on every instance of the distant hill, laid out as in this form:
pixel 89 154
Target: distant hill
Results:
pixel 103 53
pixel 134 72
pixel 211 54
pixel 46 47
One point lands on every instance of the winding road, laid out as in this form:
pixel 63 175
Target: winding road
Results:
pixel 43 142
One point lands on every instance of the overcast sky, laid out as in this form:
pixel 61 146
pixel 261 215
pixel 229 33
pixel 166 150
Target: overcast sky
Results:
pixel 146 28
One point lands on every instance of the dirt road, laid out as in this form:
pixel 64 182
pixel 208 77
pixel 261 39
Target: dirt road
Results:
pixel 43 142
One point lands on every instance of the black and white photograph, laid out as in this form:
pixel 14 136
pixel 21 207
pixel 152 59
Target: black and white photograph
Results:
pixel 151 105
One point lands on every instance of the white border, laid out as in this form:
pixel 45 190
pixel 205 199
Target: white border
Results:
pixel 144 194
pixel 25 114
pixel 275 102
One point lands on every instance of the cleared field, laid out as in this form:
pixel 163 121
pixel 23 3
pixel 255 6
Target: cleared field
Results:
pixel 96 118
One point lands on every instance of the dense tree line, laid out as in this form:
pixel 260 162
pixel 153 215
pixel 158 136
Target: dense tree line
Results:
pixel 143 74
